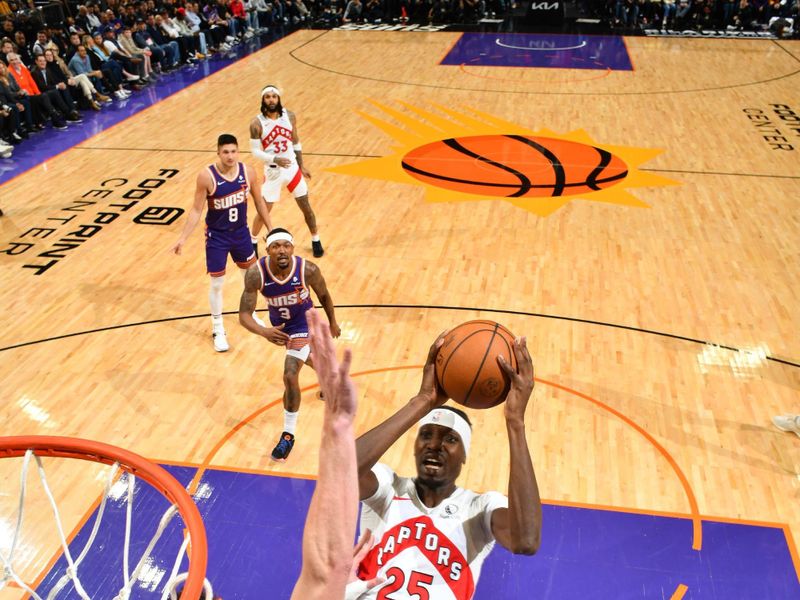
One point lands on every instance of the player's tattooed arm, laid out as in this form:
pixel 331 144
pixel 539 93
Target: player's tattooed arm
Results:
pixel 255 129
pixel 247 304
pixel 317 282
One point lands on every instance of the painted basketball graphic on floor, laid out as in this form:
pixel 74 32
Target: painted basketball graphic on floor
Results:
pixel 515 166
pixel 469 155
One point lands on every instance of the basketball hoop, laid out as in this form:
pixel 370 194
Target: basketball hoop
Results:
pixel 35 446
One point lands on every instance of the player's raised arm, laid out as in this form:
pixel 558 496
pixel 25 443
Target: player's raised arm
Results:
pixel 518 528
pixel 374 443
pixel 331 521
pixel 202 187
pixel 317 282
pixel 247 305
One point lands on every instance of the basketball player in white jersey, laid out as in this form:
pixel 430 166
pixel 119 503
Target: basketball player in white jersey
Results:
pixel 275 141
pixel 431 535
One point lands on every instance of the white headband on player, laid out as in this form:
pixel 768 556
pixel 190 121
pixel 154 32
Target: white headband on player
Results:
pixel 270 88
pixel 279 236
pixel 447 418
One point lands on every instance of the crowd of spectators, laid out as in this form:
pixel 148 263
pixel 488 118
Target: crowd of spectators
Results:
pixel 108 50
pixel 779 16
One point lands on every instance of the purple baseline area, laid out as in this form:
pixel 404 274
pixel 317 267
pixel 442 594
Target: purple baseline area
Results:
pixel 554 51
pixel 43 146
pixel 254 525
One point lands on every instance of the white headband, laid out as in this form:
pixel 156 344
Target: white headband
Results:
pixel 447 418
pixel 270 88
pixel 278 236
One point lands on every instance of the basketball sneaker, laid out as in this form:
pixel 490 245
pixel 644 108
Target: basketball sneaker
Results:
pixel 790 423
pixel 220 341
pixel 281 451
pixel 317 248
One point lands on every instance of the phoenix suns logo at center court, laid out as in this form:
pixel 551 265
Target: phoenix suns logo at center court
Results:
pixel 468 156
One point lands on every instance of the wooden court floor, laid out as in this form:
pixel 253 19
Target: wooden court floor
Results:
pixel 664 331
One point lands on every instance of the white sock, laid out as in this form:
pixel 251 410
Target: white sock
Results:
pixel 315 237
pixel 290 421
pixel 215 299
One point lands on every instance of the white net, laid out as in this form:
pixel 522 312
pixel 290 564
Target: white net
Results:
pixel 73 570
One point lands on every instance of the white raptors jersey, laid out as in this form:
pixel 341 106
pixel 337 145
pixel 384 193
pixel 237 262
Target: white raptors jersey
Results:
pixel 419 549
pixel 276 136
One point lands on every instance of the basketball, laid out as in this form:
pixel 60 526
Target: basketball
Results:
pixel 466 365
pixel 514 166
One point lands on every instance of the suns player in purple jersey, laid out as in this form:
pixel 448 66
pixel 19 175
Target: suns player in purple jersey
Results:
pixel 223 188
pixel 274 140
pixel 284 280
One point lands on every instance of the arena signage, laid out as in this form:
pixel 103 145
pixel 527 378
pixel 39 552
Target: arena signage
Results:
pixel 710 33
pixel 387 27
pixel 544 6
pixel 778 124
pixel 81 219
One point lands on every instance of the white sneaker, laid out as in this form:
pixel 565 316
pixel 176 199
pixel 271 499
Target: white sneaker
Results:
pixel 220 341
pixel 790 423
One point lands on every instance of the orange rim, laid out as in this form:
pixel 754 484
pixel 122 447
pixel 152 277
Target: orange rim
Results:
pixel 158 477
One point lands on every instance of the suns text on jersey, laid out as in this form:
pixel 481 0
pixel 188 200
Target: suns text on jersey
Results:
pixel 296 297
pixel 229 200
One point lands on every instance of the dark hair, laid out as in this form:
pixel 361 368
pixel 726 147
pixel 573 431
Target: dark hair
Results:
pixel 278 108
pixel 226 138
pixel 460 413
pixel 278 230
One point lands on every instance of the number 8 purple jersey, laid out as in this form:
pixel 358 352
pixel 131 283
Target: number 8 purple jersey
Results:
pixel 227 204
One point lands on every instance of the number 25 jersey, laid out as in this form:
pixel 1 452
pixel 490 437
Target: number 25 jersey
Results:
pixel 423 552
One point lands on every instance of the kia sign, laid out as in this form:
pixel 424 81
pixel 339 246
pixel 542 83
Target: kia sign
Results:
pixel 545 12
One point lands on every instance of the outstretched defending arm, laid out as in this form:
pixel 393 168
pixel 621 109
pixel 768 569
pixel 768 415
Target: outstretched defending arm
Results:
pixel 518 528
pixel 331 521
pixel 247 304
pixel 202 187
pixel 373 444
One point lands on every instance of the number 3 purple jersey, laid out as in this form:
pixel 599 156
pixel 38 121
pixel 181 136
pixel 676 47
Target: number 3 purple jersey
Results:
pixel 288 299
pixel 227 204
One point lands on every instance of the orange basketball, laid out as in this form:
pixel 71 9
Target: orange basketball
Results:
pixel 466 365
pixel 515 166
